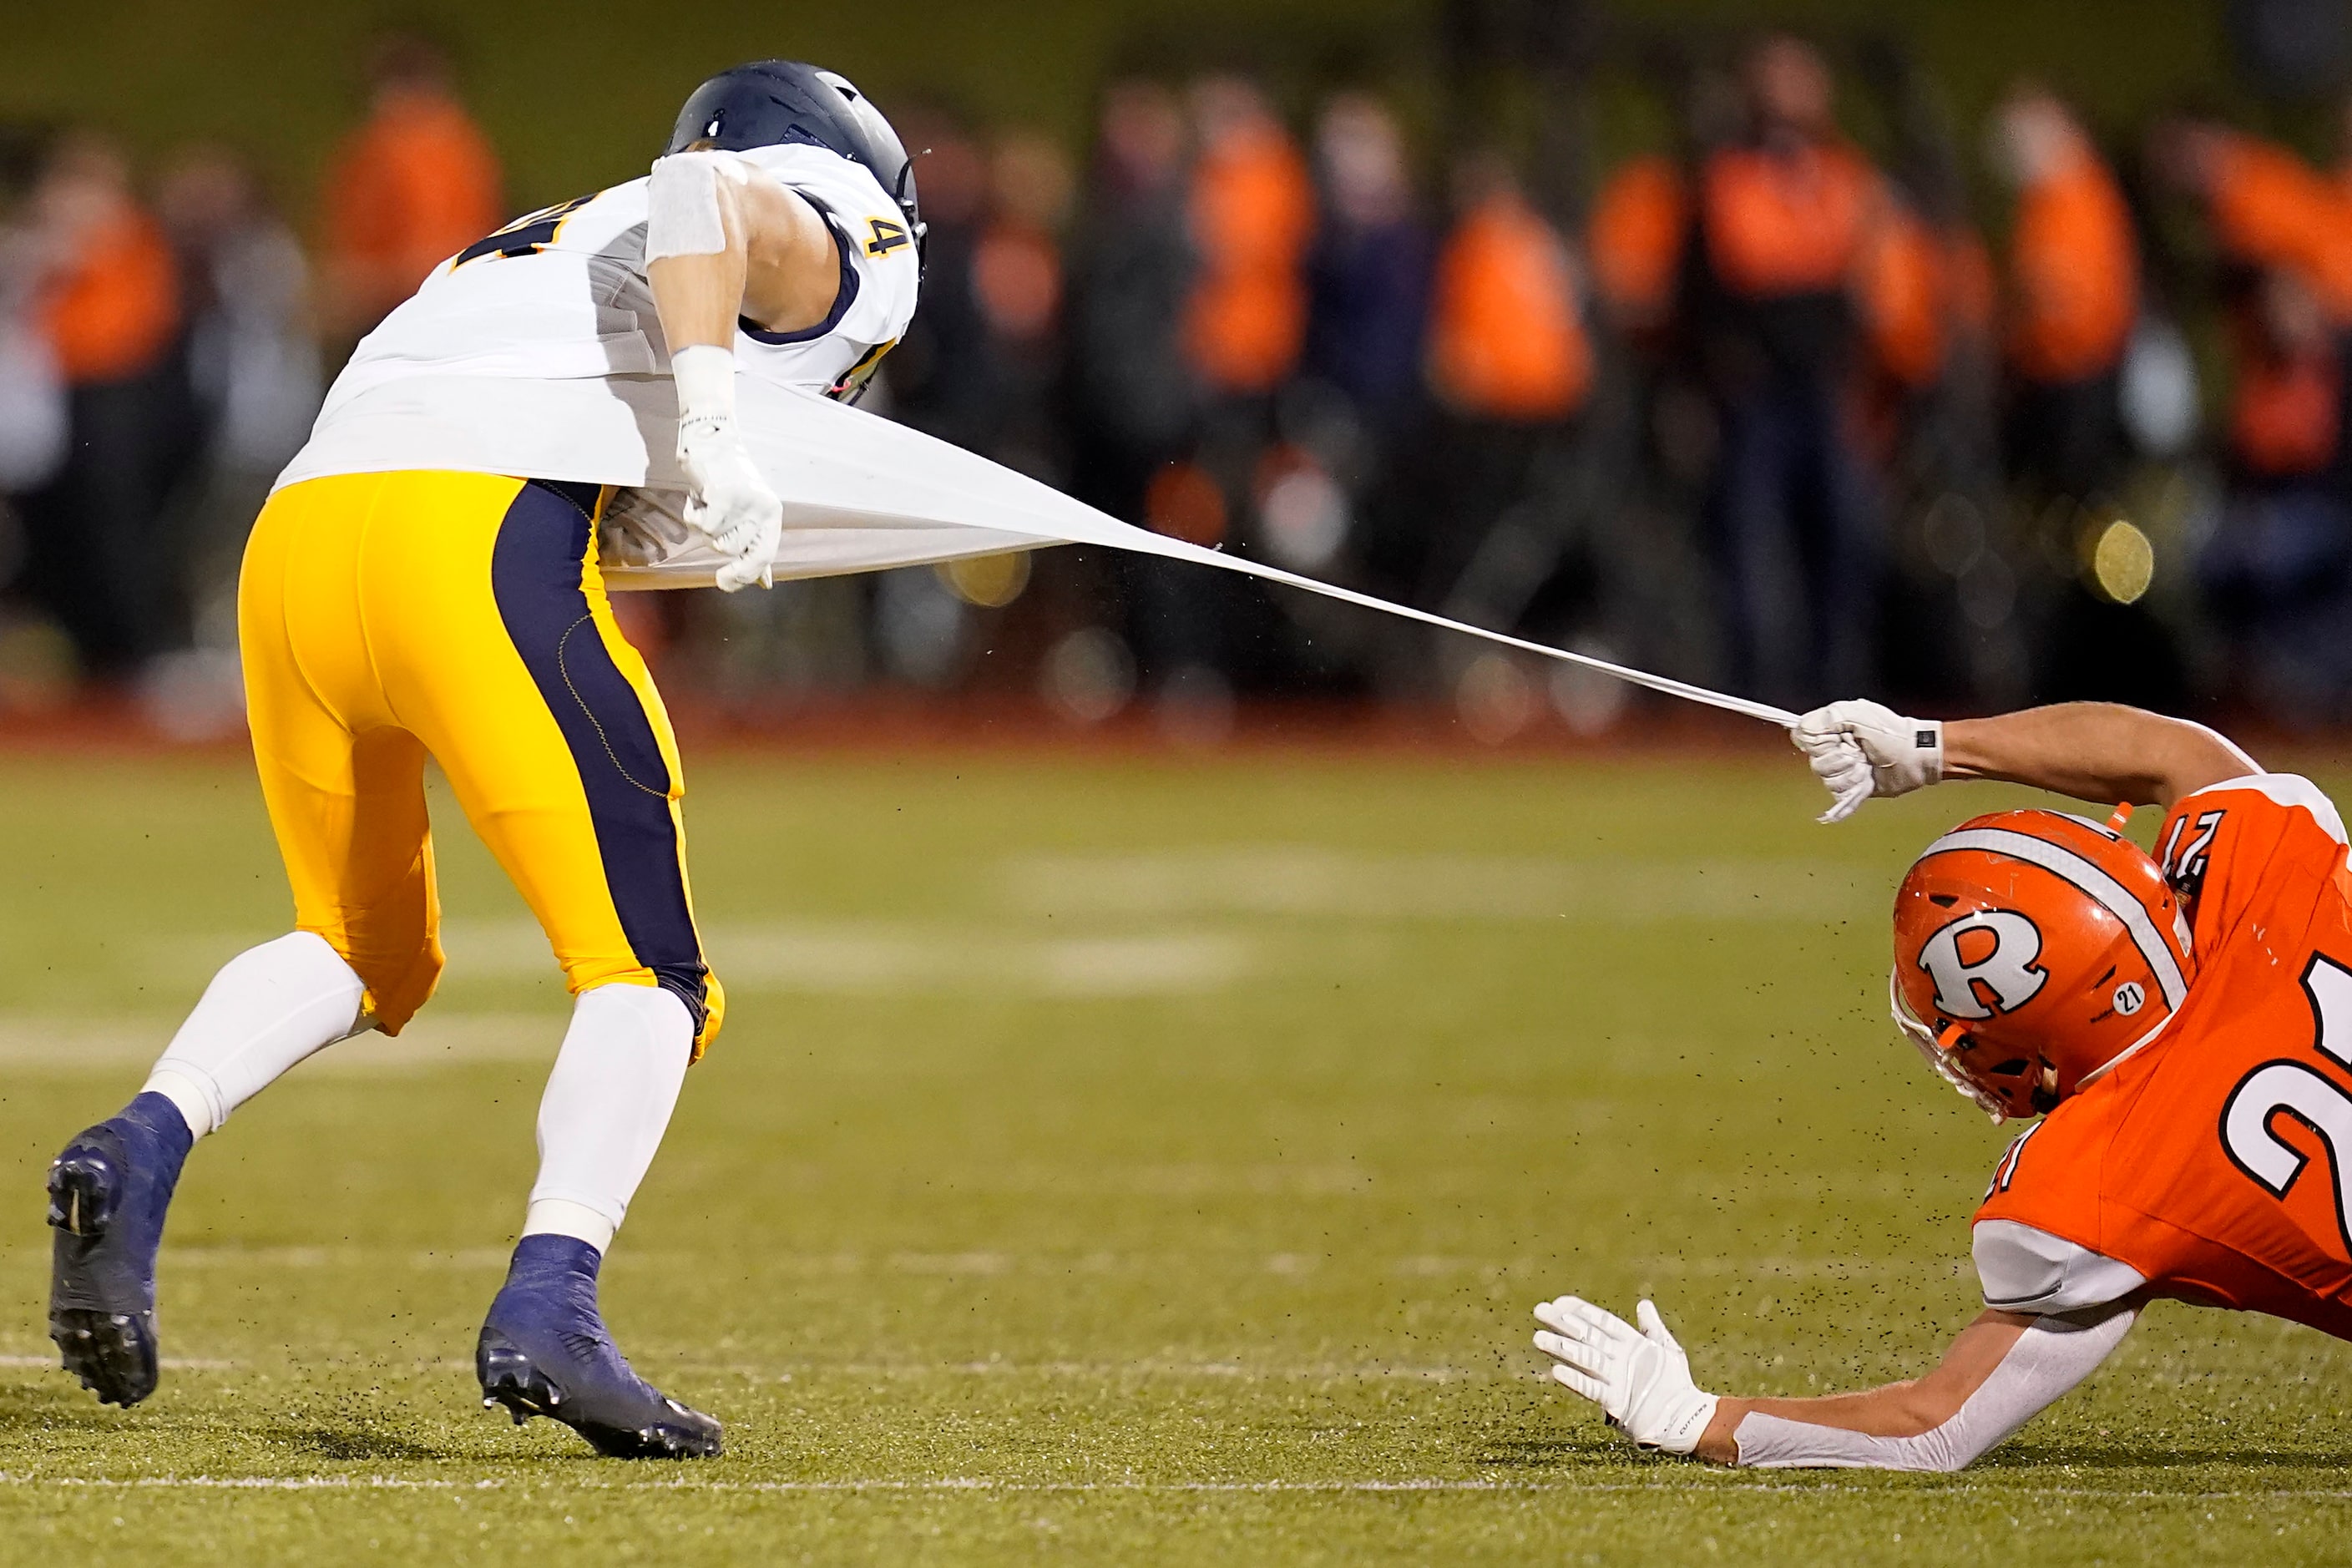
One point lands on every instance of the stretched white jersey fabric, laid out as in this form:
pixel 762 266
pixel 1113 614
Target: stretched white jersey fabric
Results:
pixel 537 351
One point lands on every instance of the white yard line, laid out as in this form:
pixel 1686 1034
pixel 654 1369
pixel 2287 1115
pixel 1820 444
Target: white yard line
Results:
pixel 1680 1489
pixel 788 1371
pixel 171 1363
pixel 1106 1370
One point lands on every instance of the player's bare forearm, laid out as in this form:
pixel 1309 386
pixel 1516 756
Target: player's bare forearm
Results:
pixel 2099 751
pixel 698 297
pixel 1894 1410
pixel 725 243
pixel 780 269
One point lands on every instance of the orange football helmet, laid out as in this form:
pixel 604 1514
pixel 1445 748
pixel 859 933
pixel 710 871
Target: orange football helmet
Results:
pixel 2033 951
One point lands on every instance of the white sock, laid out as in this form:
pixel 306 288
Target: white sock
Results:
pixel 607 1103
pixel 268 1008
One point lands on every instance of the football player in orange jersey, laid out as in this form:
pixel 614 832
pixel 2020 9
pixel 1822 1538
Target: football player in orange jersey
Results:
pixel 2181 1024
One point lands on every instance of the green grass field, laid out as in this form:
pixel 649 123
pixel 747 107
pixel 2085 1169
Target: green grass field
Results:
pixel 1144 1161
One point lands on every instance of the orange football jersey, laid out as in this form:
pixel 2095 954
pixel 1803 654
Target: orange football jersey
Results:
pixel 2216 1160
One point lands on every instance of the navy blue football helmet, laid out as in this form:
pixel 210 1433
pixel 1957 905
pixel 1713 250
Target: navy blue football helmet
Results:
pixel 766 103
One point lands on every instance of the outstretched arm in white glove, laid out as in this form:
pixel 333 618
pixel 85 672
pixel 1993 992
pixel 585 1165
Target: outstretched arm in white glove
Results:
pixel 725 242
pixel 1860 749
pixel 2003 1370
pixel 2092 751
pixel 1639 1377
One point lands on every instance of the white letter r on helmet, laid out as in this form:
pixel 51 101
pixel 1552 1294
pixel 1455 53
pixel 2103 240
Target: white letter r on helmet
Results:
pixel 2007 971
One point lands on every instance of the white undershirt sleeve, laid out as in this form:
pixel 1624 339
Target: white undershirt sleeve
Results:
pixel 2024 1269
pixel 2048 1359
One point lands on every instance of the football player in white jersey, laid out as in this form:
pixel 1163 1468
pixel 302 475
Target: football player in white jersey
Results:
pixel 425 581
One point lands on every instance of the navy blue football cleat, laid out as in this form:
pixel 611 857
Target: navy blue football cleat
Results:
pixel 108 1194
pixel 544 1352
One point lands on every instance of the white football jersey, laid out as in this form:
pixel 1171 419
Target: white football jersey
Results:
pixel 537 351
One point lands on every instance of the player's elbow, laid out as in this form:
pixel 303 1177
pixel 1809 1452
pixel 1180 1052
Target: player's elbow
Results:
pixel 1916 1408
pixel 1928 1431
pixel 1923 1432
pixel 2199 758
pixel 1934 1453
pixel 2175 757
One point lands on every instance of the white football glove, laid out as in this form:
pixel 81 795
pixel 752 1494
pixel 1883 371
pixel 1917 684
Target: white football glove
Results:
pixel 1862 749
pixel 1639 1377
pixel 729 501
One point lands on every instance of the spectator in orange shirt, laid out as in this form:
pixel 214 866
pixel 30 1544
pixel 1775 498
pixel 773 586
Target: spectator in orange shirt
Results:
pixel 2278 571
pixel 1786 218
pixel 1639 223
pixel 2284 233
pixel 2267 206
pixel 2286 422
pixel 1509 364
pixel 1248 218
pixel 1252 213
pixel 1905 293
pixel 1507 340
pixel 2073 267
pixel 410 188
pixel 111 309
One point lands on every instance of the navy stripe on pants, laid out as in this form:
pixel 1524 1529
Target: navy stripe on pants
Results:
pixel 535 575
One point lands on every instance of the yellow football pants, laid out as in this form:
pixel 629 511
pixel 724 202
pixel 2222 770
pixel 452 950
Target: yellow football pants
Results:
pixel 387 617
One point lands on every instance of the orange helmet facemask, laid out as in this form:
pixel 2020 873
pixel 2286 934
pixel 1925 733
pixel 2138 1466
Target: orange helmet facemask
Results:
pixel 2034 951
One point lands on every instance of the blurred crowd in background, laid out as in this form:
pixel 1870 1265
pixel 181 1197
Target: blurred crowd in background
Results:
pixel 1966 416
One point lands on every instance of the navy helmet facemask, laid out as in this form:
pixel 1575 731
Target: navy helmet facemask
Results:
pixel 769 103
